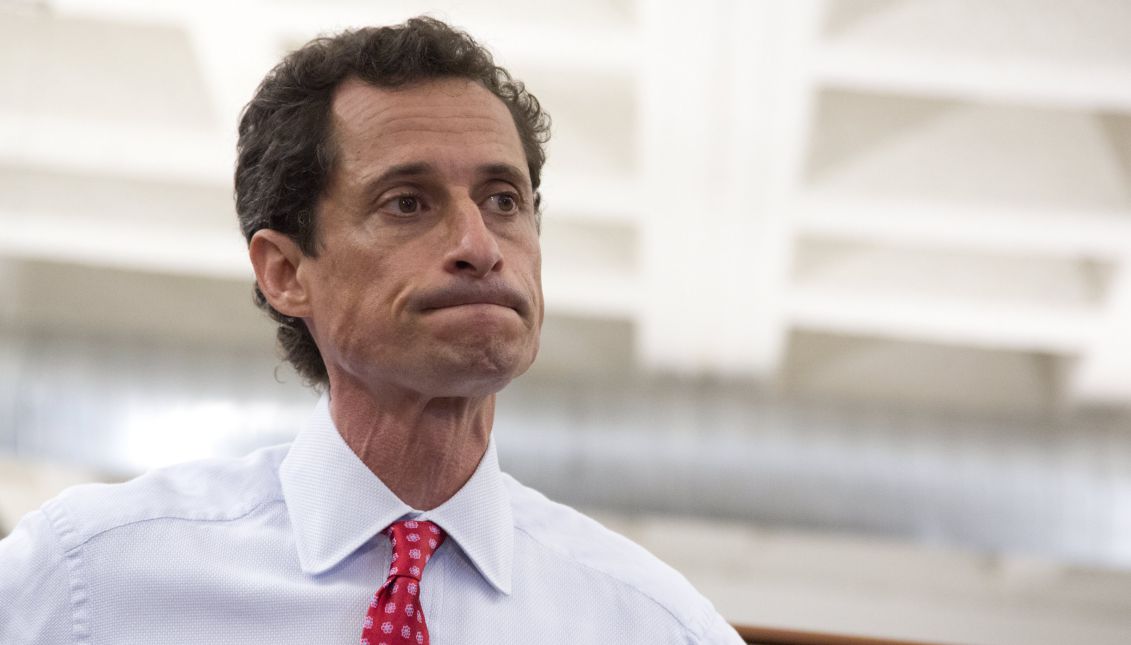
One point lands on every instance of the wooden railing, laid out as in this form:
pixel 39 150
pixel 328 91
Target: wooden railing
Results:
pixel 771 636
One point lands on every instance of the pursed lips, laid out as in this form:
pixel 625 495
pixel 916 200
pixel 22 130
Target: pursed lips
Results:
pixel 499 295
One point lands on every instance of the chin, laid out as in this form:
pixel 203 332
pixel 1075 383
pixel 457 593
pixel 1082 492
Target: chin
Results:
pixel 483 369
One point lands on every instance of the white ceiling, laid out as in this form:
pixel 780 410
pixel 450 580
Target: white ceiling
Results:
pixel 772 189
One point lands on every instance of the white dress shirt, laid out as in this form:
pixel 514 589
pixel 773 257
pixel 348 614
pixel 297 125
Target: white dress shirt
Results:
pixel 285 546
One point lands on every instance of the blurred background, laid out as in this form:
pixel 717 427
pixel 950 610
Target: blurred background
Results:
pixel 838 293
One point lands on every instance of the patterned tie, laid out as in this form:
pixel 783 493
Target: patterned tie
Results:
pixel 395 616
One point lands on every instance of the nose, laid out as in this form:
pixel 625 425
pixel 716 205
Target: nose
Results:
pixel 474 249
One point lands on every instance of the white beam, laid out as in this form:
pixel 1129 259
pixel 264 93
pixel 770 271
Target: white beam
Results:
pixel 131 150
pixel 785 109
pixel 1103 374
pixel 1009 156
pixel 121 244
pixel 675 138
pixel 616 200
pixel 591 295
pixel 1045 83
pixel 1063 233
pixel 232 58
pixel 1062 54
pixel 721 115
pixel 512 41
pixel 1016 327
pixel 131 11
pixel 538 40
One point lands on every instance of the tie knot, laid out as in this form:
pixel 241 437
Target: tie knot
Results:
pixel 414 542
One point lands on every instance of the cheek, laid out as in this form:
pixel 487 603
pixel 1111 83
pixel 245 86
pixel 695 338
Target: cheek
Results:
pixel 340 299
pixel 536 275
pixel 527 251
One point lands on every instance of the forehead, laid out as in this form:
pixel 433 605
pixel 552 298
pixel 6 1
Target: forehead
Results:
pixel 444 122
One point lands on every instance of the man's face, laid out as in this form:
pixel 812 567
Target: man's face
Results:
pixel 428 271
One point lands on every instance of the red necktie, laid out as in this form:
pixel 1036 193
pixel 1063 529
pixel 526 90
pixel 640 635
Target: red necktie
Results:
pixel 395 616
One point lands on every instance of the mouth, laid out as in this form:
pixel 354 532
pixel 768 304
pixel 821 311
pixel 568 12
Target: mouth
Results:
pixel 479 296
pixel 471 305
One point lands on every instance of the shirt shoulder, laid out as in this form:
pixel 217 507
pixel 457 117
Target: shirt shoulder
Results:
pixel 206 490
pixel 578 538
pixel 35 587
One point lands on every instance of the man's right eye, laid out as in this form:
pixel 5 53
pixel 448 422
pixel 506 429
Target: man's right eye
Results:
pixel 403 205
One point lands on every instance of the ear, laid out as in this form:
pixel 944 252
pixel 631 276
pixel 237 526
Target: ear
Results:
pixel 276 259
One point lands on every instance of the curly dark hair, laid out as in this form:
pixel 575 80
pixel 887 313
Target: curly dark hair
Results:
pixel 286 149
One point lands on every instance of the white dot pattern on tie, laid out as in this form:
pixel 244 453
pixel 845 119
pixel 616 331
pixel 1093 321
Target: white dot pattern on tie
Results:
pixel 409 556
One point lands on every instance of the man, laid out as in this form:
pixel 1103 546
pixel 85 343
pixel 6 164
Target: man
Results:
pixel 387 184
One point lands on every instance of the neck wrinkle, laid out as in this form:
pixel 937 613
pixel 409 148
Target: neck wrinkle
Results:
pixel 423 449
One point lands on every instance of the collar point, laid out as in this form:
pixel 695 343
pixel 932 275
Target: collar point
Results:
pixel 502 586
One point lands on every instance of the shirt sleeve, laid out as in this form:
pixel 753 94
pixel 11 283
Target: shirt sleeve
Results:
pixel 35 605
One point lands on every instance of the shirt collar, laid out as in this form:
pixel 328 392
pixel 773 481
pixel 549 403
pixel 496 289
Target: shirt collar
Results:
pixel 478 517
pixel 329 525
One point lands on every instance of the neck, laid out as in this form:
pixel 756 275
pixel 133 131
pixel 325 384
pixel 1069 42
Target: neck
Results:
pixel 423 449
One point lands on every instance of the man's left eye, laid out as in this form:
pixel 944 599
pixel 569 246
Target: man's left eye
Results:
pixel 503 202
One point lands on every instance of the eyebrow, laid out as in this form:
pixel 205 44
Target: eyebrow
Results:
pixel 418 169
pixel 507 171
pixel 403 171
